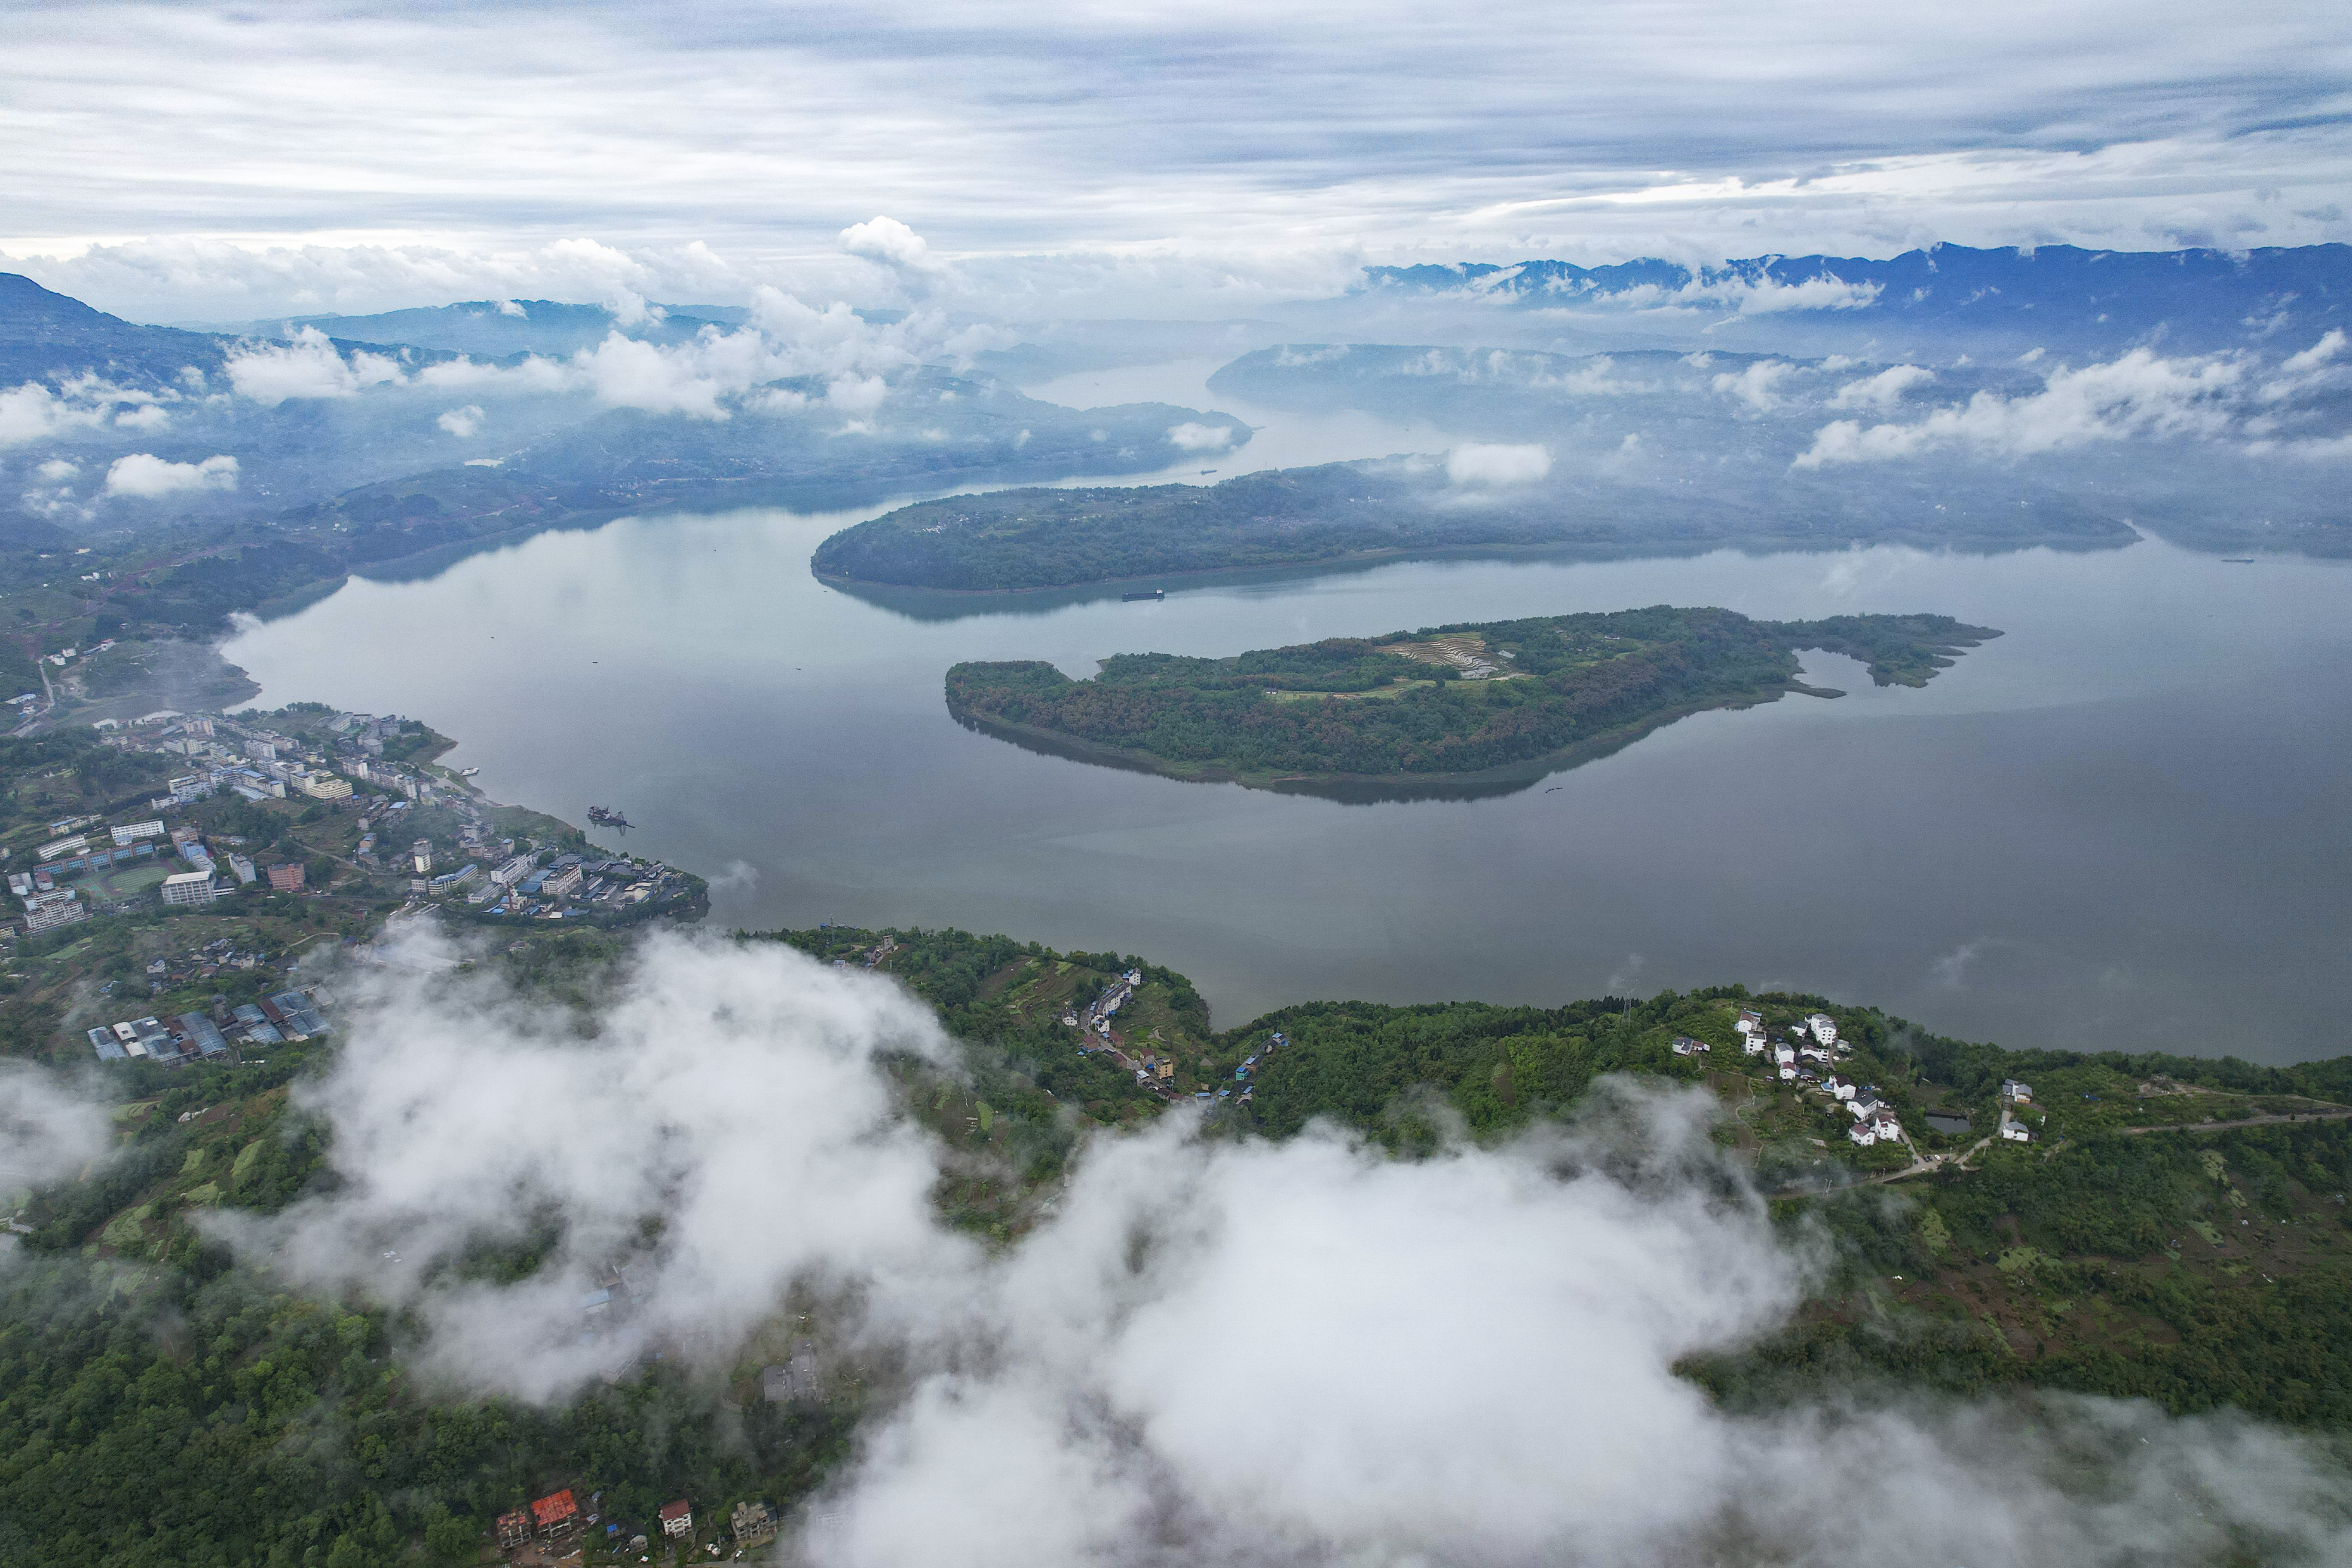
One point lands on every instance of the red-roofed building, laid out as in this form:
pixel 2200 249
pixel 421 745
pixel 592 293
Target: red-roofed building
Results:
pixel 557 1516
pixel 514 1530
pixel 678 1519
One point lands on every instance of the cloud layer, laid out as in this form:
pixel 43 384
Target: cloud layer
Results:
pixel 1208 1350
pixel 1217 148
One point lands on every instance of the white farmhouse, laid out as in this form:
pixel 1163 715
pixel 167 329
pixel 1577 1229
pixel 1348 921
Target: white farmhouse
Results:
pixel 2015 1132
pixel 1862 1132
pixel 1823 1028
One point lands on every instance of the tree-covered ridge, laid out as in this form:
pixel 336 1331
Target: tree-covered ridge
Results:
pixel 1460 698
pixel 1409 505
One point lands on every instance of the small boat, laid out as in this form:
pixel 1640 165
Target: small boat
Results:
pixel 1144 593
pixel 603 818
pixel 467 772
pixel 2237 561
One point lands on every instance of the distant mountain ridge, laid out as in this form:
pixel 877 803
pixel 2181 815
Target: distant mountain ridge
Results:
pixel 2207 294
pixel 496 328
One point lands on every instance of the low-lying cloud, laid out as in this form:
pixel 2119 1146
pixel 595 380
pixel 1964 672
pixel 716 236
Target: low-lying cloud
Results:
pixel 713 375
pixel 726 1133
pixel 46 1130
pixel 1482 464
pixel 2140 395
pixel 1209 1349
pixel 146 476
pixel 1191 436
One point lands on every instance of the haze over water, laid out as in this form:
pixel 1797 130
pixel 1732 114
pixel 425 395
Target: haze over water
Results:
pixel 2121 825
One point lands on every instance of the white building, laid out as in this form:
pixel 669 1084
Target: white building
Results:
pixel 1824 1029
pixel 241 868
pixel 1842 1088
pixel 2015 1132
pixel 1752 1044
pixel 1784 1054
pixel 2012 1090
pixel 1864 1133
pixel 132 833
pixel 1750 1022
pixel 514 870
pixel 190 888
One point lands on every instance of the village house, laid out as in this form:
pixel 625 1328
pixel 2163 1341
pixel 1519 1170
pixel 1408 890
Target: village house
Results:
pixel 1687 1046
pixel 1750 1022
pixel 2015 1132
pixel 557 1517
pixel 514 1530
pixel 2011 1089
pixel 1822 1028
pixel 1842 1088
pixel 753 1523
pixel 1863 1133
pixel 678 1519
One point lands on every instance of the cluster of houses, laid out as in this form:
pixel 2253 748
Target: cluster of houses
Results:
pixel 2012 1095
pixel 1104 1010
pixel 557 1520
pixel 289 1014
pixel 1156 1071
pixel 260 763
pixel 1799 1060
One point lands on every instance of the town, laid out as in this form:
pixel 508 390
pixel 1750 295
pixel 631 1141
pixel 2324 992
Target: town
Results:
pixel 313 818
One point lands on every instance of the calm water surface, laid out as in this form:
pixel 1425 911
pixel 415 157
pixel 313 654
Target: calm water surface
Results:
pixel 2121 825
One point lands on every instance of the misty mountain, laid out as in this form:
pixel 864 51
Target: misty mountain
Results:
pixel 52 340
pixel 496 329
pixel 2054 296
pixel 106 424
pixel 2227 450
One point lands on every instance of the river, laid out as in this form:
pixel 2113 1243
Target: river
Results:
pixel 2122 825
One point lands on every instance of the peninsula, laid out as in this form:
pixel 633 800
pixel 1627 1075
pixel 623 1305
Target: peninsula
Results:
pixel 1496 701
pixel 1384 509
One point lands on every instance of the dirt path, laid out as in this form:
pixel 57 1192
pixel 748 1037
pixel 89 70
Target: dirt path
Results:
pixel 2248 1121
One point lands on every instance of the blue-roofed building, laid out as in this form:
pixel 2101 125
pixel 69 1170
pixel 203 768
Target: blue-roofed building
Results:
pixel 107 1047
pixel 201 1033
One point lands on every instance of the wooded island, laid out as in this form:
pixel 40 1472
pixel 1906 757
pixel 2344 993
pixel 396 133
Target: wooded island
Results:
pixel 1482 701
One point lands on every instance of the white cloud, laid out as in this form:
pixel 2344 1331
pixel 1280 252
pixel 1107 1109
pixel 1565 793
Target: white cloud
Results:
pixel 735 1094
pixel 1883 390
pixel 2137 395
pixel 1192 437
pixel 1755 385
pixel 46 1130
pixel 463 423
pixel 857 395
pixel 307 366
pixel 148 476
pixel 513 308
pixel 1482 463
pixel 57 470
pixel 890 242
pixel 33 413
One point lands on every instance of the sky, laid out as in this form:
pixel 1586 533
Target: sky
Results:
pixel 267 157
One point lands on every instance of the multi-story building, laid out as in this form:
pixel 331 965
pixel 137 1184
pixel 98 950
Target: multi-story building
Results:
pixel 190 888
